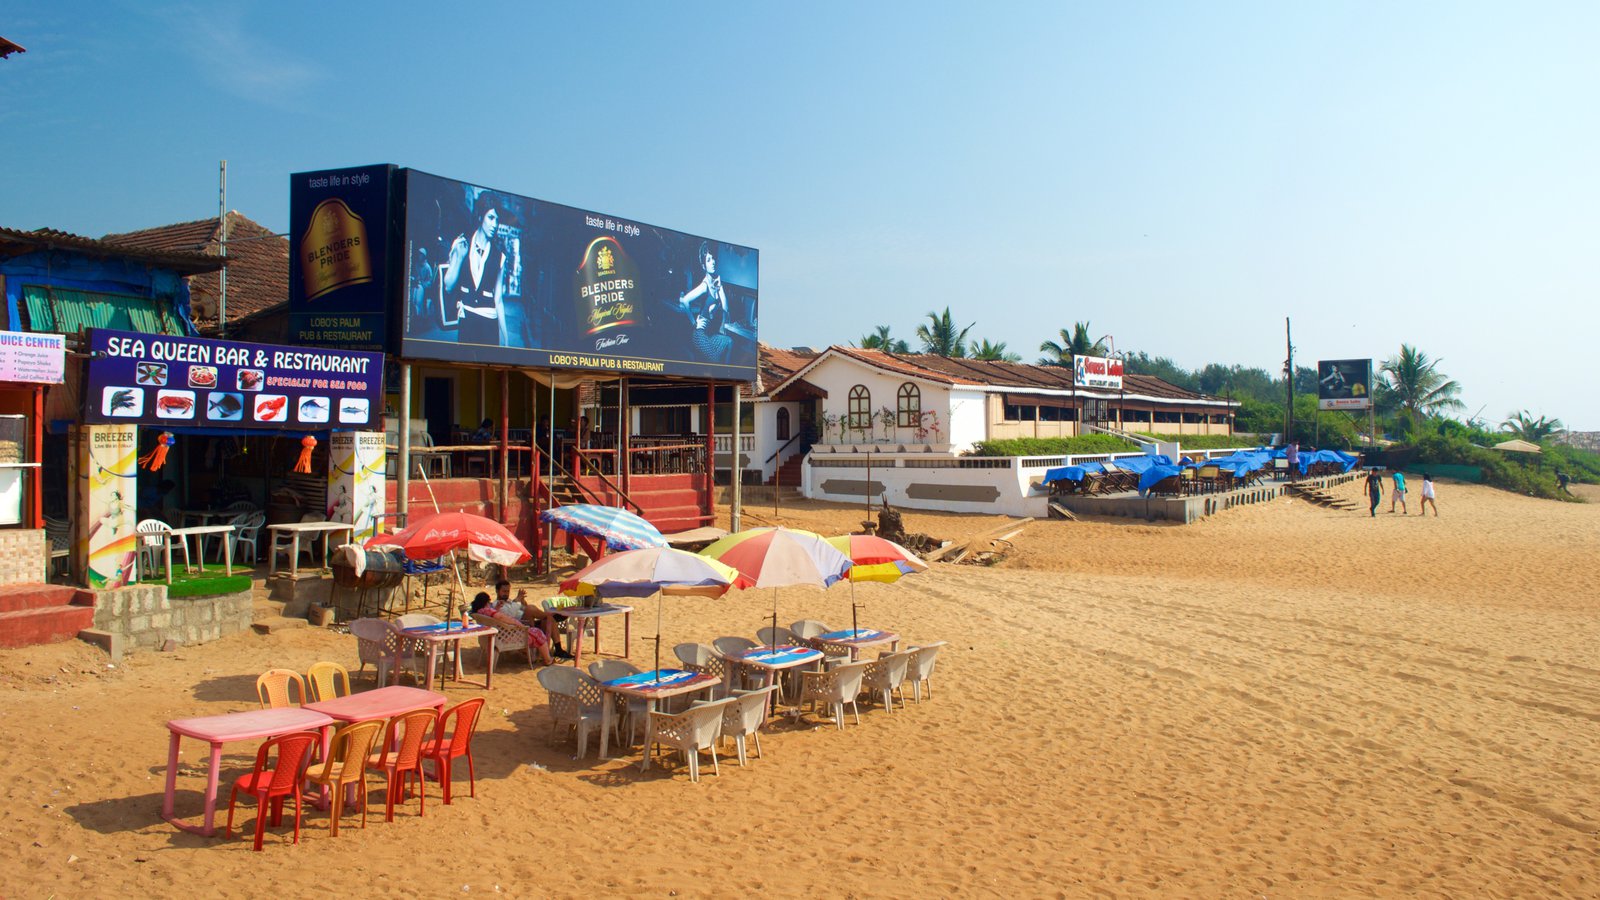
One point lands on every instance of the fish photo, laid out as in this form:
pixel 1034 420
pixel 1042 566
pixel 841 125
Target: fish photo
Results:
pixel 354 411
pixel 313 409
pixel 225 407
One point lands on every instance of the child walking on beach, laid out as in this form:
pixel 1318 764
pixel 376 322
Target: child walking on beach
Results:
pixel 1427 496
pixel 1398 495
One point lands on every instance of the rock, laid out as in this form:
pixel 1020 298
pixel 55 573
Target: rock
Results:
pixel 169 646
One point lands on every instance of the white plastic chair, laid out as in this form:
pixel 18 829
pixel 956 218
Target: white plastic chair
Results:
pixel 634 710
pixel 730 647
pixel 808 629
pixel 575 702
pixel 834 687
pixel 283 541
pixel 152 541
pixel 920 672
pixel 744 716
pixel 696 728
pixel 509 637
pixel 246 530
pixel 706 660
pixel 884 677
pixel 376 641
pixel 776 637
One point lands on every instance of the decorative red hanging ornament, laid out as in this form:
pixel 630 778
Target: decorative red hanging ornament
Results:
pixel 157 457
pixel 303 464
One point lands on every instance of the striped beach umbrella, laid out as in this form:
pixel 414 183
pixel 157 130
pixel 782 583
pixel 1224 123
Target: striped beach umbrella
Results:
pixel 620 529
pixel 875 559
pixel 780 557
pixel 652 570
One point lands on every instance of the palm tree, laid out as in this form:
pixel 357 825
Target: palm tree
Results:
pixel 1073 343
pixel 941 337
pixel 879 339
pixel 1532 430
pixel 1418 387
pixel 994 352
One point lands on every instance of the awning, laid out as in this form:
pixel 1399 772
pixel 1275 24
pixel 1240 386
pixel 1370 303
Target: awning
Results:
pixel 1052 400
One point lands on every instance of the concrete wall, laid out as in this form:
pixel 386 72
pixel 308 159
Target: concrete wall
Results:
pixel 146 617
pixel 24 556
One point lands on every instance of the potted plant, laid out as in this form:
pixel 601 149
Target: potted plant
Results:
pixel 886 418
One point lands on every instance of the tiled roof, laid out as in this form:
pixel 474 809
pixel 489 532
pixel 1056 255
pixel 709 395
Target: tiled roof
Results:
pixel 990 373
pixel 184 263
pixel 258 264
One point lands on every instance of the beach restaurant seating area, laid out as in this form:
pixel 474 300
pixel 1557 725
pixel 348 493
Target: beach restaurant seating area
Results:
pixel 1157 474
pixel 325 745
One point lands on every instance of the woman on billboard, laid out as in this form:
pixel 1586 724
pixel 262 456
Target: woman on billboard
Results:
pixel 475 278
pixel 707 307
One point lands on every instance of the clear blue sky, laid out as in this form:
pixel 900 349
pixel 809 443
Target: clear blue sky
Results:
pixel 1182 176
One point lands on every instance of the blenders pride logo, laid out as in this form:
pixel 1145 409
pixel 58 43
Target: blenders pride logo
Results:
pixel 333 251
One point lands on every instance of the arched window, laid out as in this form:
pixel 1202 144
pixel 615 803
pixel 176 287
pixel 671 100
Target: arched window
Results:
pixel 860 415
pixel 908 406
pixel 783 423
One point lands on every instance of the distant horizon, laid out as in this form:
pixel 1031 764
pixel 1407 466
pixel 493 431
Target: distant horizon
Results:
pixel 1180 177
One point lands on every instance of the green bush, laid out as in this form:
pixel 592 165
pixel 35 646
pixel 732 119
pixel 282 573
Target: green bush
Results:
pixel 1582 465
pixel 1088 443
pixel 1524 473
pixel 1207 441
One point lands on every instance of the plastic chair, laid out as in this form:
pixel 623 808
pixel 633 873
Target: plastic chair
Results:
pixel 376 641
pixel 328 680
pixel 703 659
pixel 776 637
pixel 442 750
pixel 346 765
pixel 696 728
pixel 834 687
pixel 272 688
pixel 920 672
pixel 884 677
pixel 808 629
pixel 743 717
pixel 246 531
pixel 399 762
pixel 634 709
pixel 509 637
pixel 284 541
pixel 275 784
pixel 575 702
pixel 152 543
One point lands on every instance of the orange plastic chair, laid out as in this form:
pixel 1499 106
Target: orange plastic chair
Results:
pixel 400 762
pixel 272 688
pixel 442 750
pixel 328 680
pixel 346 765
pixel 274 784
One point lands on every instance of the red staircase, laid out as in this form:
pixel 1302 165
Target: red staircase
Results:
pixel 788 474
pixel 32 614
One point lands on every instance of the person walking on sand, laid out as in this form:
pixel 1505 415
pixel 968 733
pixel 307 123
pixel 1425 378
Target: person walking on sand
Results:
pixel 1374 490
pixel 1398 495
pixel 1427 496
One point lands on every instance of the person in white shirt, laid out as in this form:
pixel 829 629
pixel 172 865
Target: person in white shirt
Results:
pixel 1427 496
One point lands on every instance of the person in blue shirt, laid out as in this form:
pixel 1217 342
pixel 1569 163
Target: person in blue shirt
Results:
pixel 1399 494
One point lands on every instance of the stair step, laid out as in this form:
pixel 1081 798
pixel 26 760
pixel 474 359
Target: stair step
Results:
pixel 19 597
pixel 275 624
pixel 31 627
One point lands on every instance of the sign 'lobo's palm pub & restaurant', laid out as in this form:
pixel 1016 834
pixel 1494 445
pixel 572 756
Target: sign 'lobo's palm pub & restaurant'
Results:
pixel 530 342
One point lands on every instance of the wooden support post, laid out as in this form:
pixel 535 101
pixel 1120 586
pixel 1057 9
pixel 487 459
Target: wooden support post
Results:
pixel 505 446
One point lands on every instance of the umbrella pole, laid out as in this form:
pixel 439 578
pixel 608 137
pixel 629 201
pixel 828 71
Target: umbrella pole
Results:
pixel 450 601
pixel 774 641
pixel 853 627
pixel 659 604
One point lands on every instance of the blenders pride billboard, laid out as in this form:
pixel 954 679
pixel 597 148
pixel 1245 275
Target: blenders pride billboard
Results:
pixel 498 278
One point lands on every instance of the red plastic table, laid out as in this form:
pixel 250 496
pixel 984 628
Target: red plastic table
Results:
pixel 218 730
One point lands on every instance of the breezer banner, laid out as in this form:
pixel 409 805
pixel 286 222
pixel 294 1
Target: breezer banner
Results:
pixel 1344 383
pixel 157 379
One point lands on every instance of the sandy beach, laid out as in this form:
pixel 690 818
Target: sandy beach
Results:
pixel 1283 700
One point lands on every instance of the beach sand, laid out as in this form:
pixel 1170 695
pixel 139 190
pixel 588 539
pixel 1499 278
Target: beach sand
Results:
pixel 1282 700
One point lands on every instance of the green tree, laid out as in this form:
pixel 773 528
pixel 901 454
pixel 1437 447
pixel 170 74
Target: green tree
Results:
pixel 941 337
pixel 1525 426
pixel 1419 389
pixel 994 352
pixel 1073 343
pixel 879 339
pixel 1142 363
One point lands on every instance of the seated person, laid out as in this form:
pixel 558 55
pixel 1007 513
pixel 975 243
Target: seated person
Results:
pixel 484 434
pixel 521 610
pixel 511 611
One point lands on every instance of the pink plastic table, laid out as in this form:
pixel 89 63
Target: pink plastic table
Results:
pixel 854 641
pixel 436 638
pixel 769 660
pixel 383 703
pixel 218 730
pixel 640 687
pixel 595 614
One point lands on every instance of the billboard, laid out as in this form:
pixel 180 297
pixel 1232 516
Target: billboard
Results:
pixel 1344 383
pixel 1097 372
pixel 493 277
pixel 342 224
pixel 158 379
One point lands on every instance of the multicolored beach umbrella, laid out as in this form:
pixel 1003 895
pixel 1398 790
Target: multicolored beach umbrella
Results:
pixel 780 557
pixel 875 559
pixel 620 529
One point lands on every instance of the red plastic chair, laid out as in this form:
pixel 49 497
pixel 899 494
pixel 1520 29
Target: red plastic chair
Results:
pixel 282 780
pixel 441 750
pixel 400 762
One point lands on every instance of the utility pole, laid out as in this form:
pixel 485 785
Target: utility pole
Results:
pixel 222 277
pixel 1288 377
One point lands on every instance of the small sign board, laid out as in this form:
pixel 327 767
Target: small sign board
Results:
pixel 1344 384
pixel 29 356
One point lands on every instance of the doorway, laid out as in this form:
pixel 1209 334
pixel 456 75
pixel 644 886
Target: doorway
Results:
pixel 439 408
